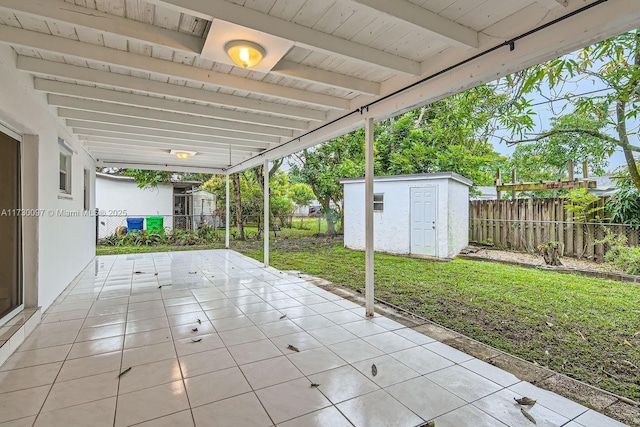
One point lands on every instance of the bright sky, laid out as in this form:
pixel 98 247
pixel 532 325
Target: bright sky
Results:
pixel 547 109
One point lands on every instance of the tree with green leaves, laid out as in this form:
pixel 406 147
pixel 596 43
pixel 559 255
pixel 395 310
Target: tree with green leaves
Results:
pixel 302 195
pixel 449 135
pixel 623 207
pixel 151 178
pixel 604 120
pixel 548 157
pixel 248 193
pixel 322 168
pixel 452 134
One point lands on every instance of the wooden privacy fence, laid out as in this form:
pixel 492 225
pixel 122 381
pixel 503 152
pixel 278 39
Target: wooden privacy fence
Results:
pixel 523 224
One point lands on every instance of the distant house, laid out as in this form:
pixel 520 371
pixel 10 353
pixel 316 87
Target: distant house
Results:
pixel 485 193
pixel 181 204
pixel 605 186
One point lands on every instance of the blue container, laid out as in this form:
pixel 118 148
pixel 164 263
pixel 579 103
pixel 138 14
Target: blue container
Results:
pixel 136 224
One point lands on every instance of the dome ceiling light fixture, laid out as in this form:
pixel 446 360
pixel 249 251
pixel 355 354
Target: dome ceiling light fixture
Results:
pixel 183 155
pixel 244 53
pixel 222 36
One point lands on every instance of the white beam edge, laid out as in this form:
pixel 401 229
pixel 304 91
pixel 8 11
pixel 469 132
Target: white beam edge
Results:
pixel 41 67
pixel 92 19
pixel 267 216
pixel 317 75
pixel 423 18
pixel 299 34
pixel 105 55
pixel 369 292
pixel 133 126
pixel 227 212
pixel 156 166
pixel 141 142
pixel 157 156
pixel 67 103
pixel 553 4
pixel 133 100
pixel 237 144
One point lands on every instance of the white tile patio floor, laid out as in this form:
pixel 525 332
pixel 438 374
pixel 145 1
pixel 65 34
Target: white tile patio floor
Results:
pixel 235 369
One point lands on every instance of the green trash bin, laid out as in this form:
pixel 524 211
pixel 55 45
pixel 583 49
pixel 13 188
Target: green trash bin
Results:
pixel 155 225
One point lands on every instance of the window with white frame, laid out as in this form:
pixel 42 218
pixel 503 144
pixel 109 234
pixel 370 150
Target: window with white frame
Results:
pixel 378 202
pixel 65 167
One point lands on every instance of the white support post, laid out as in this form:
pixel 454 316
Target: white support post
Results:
pixel 368 200
pixel 227 213
pixel 266 212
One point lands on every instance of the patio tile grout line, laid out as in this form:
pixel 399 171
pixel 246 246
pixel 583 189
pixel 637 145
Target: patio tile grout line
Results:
pixel 184 384
pixel 126 318
pixel 67 355
pixel 252 292
pixel 173 343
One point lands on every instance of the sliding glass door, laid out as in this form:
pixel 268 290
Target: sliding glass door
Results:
pixel 10 227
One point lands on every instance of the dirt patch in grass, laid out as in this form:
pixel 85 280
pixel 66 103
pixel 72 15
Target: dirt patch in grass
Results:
pixel 537 261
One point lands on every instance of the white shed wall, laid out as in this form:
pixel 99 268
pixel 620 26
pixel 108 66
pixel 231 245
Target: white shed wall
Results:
pixel 116 195
pixel 458 217
pixel 57 248
pixel 392 227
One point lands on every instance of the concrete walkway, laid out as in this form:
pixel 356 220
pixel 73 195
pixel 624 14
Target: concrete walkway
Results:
pixel 209 338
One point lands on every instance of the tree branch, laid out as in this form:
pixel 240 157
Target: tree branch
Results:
pixel 589 132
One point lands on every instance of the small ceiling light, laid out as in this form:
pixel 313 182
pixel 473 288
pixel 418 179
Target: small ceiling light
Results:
pixel 244 53
pixel 183 155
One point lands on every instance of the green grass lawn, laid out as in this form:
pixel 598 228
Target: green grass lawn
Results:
pixel 586 328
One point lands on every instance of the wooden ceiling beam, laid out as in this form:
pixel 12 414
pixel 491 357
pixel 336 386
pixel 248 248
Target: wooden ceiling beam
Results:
pixel 299 34
pixel 91 117
pixel 92 19
pixel 107 130
pixel 104 55
pixel 57 89
pixel 425 19
pixel 40 67
pixel 70 104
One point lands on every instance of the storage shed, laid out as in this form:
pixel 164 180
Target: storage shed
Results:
pixel 424 214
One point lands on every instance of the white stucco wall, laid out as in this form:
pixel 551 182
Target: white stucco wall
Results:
pixel 458 217
pixel 61 246
pixel 121 198
pixel 392 227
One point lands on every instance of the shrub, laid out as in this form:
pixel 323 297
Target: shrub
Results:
pixel 624 207
pixel 135 238
pixel 184 237
pixel 620 254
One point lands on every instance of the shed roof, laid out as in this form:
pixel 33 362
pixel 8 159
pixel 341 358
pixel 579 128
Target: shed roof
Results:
pixel 413 177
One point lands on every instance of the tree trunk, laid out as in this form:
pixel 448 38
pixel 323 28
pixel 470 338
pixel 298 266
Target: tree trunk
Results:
pixel 259 174
pixel 621 107
pixel 551 253
pixel 624 143
pixel 239 219
pixel 331 227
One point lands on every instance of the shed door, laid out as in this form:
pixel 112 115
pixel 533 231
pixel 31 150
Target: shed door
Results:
pixel 423 221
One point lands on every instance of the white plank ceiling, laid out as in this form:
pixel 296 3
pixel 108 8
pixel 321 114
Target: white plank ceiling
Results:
pixel 128 77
